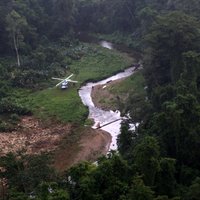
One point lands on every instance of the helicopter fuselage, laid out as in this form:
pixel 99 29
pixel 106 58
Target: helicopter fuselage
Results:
pixel 64 85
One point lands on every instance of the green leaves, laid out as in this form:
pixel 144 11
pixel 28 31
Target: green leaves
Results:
pixel 166 182
pixel 146 158
pixel 172 35
pixel 194 190
pixel 15 22
pixel 139 191
pixel 24 172
pixel 15 26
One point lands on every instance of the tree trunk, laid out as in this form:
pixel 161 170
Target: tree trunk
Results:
pixel 16 50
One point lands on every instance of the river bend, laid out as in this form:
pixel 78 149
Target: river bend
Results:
pixel 102 117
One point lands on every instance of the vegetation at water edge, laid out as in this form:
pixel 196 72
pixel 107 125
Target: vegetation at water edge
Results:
pixel 160 159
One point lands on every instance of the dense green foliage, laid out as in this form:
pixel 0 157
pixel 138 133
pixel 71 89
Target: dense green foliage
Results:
pixel 160 159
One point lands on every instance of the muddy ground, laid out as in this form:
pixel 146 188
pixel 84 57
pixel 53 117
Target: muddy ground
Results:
pixel 89 146
pixel 69 144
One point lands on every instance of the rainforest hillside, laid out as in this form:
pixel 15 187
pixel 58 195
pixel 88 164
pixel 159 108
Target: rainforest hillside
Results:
pixel 160 159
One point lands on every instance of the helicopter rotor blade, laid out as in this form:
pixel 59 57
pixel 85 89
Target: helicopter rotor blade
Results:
pixel 60 83
pixel 72 81
pixel 69 77
pixel 66 79
pixel 60 79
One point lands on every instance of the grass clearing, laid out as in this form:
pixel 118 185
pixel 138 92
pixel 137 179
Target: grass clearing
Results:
pixel 116 95
pixel 99 64
pixel 63 105
pixel 133 84
pixel 66 105
pixel 59 105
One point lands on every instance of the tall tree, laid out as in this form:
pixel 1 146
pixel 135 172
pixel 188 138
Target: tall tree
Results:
pixel 146 156
pixel 15 26
pixel 172 35
pixel 166 182
pixel 125 140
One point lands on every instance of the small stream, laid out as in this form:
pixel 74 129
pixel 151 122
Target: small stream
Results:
pixel 102 117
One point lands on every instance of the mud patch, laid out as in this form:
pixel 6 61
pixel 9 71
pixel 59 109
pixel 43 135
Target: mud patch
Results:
pixel 69 144
pixel 33 137
pixel 87 144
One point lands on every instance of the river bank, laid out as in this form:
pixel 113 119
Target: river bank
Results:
pixel 115 95
pixel 102 117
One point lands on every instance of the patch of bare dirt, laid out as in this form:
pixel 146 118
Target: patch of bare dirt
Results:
pixel 69 144
pixel 90 145
pixel 33 136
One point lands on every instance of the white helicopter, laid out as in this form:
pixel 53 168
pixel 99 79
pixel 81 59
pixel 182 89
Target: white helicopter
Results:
pixel 64 82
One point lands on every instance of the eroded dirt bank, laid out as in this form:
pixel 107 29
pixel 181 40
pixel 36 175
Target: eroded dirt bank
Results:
pixel 89 146
pixel 33 136
pixel 69 144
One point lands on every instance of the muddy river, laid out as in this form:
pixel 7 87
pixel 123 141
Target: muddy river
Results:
pixel 102 117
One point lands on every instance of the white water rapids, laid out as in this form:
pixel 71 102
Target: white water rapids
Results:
pixel 107 45
pixel 100 116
